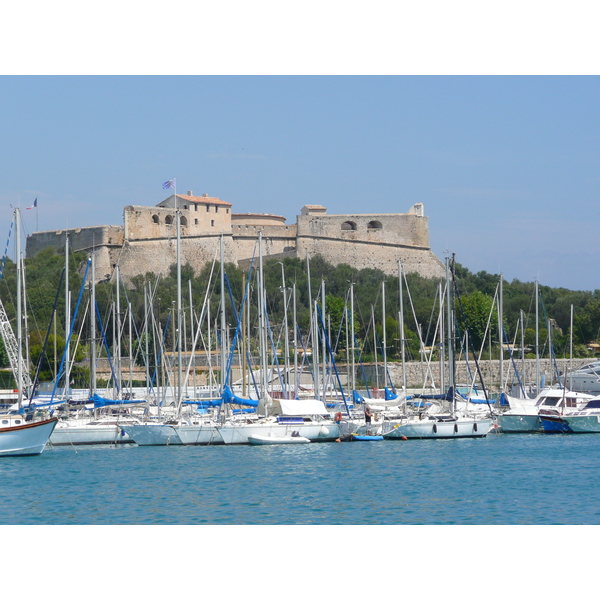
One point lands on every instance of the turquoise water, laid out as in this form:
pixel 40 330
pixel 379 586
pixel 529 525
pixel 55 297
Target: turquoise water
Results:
pixel 501 479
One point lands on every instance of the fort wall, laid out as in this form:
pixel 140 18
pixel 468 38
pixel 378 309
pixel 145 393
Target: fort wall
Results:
pixel 147 239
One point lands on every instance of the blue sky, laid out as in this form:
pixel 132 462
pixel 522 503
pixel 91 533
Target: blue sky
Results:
pixel 507 167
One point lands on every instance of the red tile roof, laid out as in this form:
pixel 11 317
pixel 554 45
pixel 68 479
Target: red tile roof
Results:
pixel 203 200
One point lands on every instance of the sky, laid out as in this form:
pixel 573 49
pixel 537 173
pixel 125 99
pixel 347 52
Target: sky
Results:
pixel 504 159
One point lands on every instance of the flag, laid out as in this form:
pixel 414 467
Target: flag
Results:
pixel 169 184
pixel 34 205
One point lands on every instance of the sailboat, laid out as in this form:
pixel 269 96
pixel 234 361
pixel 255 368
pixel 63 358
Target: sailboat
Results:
pixel 22 432
pixel 275 417
pixel 436 422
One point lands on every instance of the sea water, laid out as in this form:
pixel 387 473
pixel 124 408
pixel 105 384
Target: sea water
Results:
pixel 520 479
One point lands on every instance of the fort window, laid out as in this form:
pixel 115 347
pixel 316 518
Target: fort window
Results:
pixel 155 219
pixel 195 221
pixel 169 220
pixel 212 222
pixel 185 206
pixel 349 226
pixel 216 209
pixel 183 221
pixel 374 225
pixel 196 207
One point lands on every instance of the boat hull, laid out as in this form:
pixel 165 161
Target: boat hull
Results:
pixel 432 429
pixel 29 439
pixel 269 440
pixel 554 425
pixel 198 435
pixel 90 434
pixel 315 432
pixel 584 424
pixel 520 423
pixel 152 434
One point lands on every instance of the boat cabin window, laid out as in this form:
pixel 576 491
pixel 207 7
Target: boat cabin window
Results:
pixel 550 401
pixel 4 421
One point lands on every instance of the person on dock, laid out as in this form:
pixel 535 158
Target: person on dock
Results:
pixel 368 415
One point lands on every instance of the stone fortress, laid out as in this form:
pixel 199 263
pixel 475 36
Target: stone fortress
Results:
pixel 147 241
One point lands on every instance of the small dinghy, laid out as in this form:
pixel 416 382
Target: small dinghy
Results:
pixel 366 438
pixel 267 440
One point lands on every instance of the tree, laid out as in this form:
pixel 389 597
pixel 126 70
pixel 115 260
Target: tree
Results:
pixel 473 316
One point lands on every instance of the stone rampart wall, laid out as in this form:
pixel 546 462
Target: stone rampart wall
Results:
pixel 80 238
pixel 156 256
pixel 418 375
pixel 398 229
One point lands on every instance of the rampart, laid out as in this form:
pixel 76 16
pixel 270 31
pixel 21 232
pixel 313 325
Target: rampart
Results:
pixel 147 239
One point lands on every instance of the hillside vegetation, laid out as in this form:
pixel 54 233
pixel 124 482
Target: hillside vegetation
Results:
pixel 152 295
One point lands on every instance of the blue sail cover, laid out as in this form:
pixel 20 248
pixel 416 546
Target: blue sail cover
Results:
pixel 230 398
pixel 358 399
pixel 205 403
pixel 389 395
pixel 100 402
pixel 473 400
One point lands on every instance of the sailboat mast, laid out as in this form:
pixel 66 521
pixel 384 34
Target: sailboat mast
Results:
pixel 262 326
pixel 324 357
pixel 384 340
pixel 375 346
pixel 223 323
pixel 118 332
pixel 441 344
pixel 67 311
pixel 449 327
pixel 93 325
pixel 19 308
pixel 501 332
pixel 352 337
pixel 179 328
pixel 286 378
pixel 401 319
pixel 570 351
pixel 296 382
pixel 537 340
pixel 313 329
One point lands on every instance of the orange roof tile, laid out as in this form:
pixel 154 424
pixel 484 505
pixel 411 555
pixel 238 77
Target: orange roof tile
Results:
pixel 203 200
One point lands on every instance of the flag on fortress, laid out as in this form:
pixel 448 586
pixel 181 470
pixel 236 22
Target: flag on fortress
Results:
pixel 34 205
pixel 169 184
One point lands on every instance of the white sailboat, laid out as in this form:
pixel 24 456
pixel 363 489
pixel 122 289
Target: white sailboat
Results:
pixel 435 422
pixel 22 432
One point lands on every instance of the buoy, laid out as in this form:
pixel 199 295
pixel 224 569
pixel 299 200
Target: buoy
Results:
pixel 403 437
pixel 338 417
